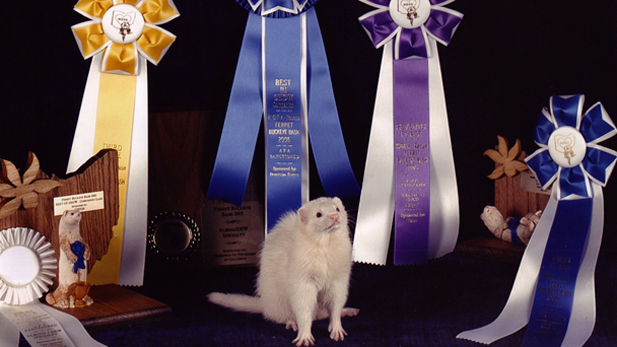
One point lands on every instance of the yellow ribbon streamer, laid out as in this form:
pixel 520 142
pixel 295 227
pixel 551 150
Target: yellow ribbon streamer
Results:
pixel 114 128
pixel 116 99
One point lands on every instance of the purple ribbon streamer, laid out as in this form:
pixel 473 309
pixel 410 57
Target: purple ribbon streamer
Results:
pixel 411 158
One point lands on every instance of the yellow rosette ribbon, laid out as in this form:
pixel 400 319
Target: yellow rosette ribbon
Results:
pixel 120 36
pixel 112 19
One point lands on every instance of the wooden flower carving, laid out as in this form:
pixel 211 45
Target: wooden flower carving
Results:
pixel 506 159
pixel 22 191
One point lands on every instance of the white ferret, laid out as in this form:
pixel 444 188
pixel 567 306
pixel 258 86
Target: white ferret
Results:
pixel 304 271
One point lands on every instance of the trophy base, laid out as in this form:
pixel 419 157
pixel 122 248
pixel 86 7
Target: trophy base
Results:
pixel 115 306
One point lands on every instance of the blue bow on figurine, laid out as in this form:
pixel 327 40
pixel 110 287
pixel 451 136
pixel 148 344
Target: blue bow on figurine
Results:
pixel 78 249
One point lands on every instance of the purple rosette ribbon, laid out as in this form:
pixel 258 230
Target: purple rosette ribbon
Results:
pixel 409 170
pixel 553 293
pixel 387 23
pixel 283 79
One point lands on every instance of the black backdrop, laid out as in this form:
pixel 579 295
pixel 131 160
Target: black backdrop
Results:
pixel 505 61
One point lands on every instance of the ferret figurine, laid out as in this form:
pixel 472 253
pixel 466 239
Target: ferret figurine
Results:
pixel 304 269
pixel 71 268
pixel 503 228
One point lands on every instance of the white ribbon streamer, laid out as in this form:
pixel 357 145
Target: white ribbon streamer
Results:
pixel 304 100
pixel 9 334
pixel 42 326
pixel 376 209
pixel 444 216
pixel 136 216
pixel 517 310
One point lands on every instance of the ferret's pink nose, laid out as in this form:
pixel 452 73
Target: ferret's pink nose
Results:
pixel 334 217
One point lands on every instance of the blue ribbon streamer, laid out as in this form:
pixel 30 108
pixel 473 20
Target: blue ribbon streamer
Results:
pixel 245 108
pixel 552 304
pixel 78 249
pixel 284 117
pixel 241 127
pixel 325 130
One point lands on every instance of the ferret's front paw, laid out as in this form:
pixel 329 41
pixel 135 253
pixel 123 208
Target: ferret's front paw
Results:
pixel 291 325
pixel 304 340
pixel 337 333
pixel 349 312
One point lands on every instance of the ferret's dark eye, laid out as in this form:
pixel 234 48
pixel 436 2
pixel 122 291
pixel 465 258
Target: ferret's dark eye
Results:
pixel 318 214
pixel 337 210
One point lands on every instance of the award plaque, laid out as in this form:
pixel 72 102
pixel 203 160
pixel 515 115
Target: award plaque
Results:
pixel 185 230
pixel 233 235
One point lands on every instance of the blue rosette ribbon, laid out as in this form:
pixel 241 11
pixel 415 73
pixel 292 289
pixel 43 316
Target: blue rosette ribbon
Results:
pixel 282 76
pixel 553 293
pixel 409 171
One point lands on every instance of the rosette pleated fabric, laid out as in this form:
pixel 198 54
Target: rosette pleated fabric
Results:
pixel 409 171
pixel 27 269
pixel 282 76
pixel 553 293
pixel 120 36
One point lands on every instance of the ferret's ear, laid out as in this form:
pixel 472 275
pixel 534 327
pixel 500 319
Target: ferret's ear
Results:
pixel 337 200
pixel 304 215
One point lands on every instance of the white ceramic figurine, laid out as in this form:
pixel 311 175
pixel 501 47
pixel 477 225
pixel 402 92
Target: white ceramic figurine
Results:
pixel 72 266
pixel 510 229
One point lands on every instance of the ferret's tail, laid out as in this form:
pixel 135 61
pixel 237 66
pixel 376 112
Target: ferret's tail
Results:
pixel 237 302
